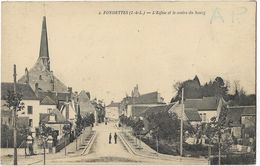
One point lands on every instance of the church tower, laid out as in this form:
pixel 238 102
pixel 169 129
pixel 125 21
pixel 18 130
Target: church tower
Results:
pixel 40 77
pixel 44 50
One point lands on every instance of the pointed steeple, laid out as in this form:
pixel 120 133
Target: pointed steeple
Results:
pixel 196 78
pixel 44 50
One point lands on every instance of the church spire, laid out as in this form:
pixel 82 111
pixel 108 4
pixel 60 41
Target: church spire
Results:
pixel 44 50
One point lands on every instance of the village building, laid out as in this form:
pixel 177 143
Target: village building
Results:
pixel 32 105
pixel 85 104
pixel 242 121
pixel 137 105
pixel 55 120
pixel 112 111
pixel 190 115
pixel 207 107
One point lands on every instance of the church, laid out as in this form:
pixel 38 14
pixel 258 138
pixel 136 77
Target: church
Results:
pixel 41 78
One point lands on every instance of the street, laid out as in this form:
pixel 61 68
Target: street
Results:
pixel 101 152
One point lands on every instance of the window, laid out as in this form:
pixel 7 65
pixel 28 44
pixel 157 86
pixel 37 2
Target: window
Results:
pixel 30 122
pixel 52 118
pixel 29 109
pixel 40 77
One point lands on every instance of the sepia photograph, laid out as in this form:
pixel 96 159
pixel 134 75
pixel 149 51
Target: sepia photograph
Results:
pixel 128 83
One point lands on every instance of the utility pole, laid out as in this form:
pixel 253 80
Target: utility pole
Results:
pixel 219 152
pixel 44 153
pixel 65 145
pixel 209 154
pixel 14 119
pixel 182 112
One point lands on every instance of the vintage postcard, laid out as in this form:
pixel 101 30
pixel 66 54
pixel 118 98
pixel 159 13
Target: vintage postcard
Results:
pixel 128 83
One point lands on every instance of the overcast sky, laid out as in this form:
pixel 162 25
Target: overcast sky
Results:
pixel 109 54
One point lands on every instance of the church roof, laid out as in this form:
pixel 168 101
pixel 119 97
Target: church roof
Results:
pixel 45 79
pixel 40 73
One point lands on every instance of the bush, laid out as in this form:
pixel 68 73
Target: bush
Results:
pixel 236 159
pixel 195 150
pixel 7 138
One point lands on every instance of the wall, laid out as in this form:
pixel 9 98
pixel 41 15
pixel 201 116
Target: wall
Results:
pixel 112 112
pixel 37 109
pixel 129 108
pixel 209 115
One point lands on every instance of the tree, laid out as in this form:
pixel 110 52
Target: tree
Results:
pixel 6 136
pixel 138 126
pixel 13 101
pixel 216 132
pixel 79 125
pixel 240 98
pixel 164 125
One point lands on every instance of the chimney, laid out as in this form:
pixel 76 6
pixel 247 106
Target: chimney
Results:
pixel 52 81
pixel 36 89
pixel 26 75
pixel 70 93
pixel 67 107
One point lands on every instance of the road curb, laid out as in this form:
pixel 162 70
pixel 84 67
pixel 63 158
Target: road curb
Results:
pixel 159 156
pixel 89 145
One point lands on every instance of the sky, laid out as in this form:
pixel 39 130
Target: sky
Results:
pixel 109 54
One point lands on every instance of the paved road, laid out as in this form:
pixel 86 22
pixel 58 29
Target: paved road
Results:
pixel 101 152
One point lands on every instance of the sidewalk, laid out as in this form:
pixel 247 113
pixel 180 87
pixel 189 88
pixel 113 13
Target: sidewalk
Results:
pixel 77 143
pixel 7 154
pixel 139 148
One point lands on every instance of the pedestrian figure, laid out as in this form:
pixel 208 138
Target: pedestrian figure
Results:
pixel 115 137
pixel 110 137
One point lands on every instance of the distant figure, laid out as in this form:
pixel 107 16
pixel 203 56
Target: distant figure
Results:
pixel 110 137
pixel 115 137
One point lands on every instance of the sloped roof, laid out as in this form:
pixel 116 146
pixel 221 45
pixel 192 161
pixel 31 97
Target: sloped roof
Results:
pixel 206 103
pixel 24 89
pixel 148 98
pixel 43 117
pixel 85 104
pixel 44 83
pixel 192 114
pixel 235 113
pixel 59 118
pixel 55 96
pixel 139 110
pixel 154 110
pixel 47 101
